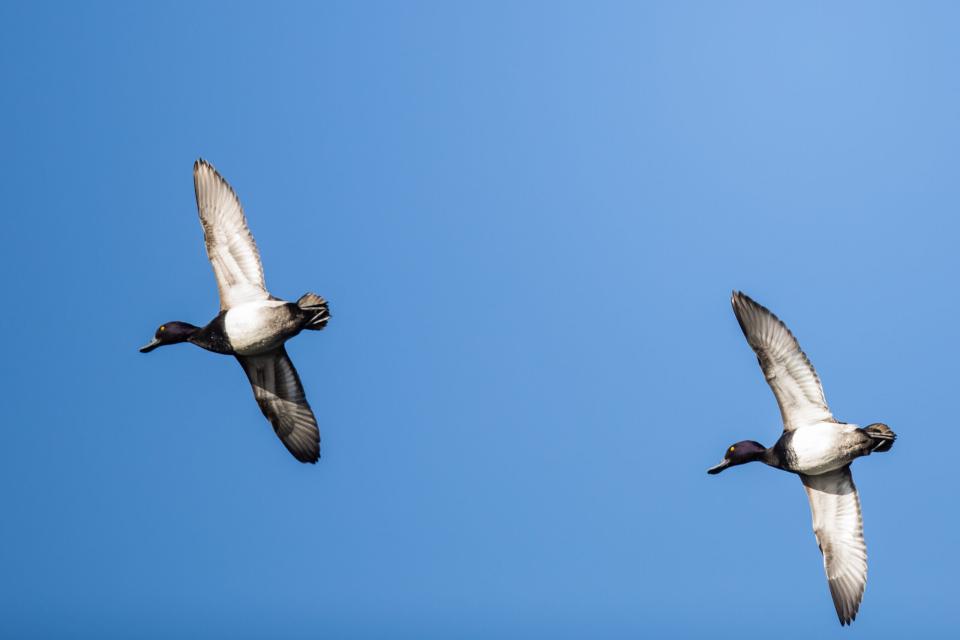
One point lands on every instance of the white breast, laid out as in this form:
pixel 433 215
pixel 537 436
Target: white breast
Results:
pixel 255 327
pixel 819 447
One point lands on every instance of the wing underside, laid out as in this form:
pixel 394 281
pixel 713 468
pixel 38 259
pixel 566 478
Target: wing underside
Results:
pixel 230 245
pixel 838 526
pixel 787 369
pixel 278 391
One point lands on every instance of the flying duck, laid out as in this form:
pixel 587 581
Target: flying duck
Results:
pixel 252 324
pixel 814 445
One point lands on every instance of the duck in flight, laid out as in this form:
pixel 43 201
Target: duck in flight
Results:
pixel 814 445
pixel 252 324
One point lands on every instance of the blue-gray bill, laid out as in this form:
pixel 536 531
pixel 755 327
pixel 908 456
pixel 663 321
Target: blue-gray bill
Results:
pixel 720 467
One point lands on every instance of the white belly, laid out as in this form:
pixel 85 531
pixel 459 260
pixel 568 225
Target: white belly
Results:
pixel 819 447
pixel 257 326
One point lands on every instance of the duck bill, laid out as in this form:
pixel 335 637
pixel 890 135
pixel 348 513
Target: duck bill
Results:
pixel 718 468
pixel 150 346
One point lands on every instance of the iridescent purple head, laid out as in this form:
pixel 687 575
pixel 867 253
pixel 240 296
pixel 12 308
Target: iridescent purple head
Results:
pixel 169 333
pixel 740 453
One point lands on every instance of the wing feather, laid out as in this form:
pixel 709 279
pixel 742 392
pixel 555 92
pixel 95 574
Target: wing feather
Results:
pixel 786 367
pixel 838 525
pixel 230 245
pixel 278 391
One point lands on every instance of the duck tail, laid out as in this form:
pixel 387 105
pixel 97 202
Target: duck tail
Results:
pixel 316 311
pixel 882 437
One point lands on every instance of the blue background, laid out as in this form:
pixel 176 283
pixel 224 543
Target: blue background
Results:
pixel 528 220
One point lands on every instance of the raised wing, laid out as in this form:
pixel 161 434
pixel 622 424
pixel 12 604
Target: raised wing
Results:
pixel 838 525
pixel 786 368
pixel 278 391
pixel 230 246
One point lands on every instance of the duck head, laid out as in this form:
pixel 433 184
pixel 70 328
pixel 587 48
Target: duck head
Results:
pixel 169 333
pixel 740 453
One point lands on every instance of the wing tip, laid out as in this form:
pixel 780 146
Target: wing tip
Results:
pixel 205 169
pixel 200 163
pixel 740 299
pixel 202 166
pixel 744 304
pixel 741 302
pixel 847 618
pixel 307 457
pixel 305 447
pixel 305 451
pixel 207 179
pixel 846 611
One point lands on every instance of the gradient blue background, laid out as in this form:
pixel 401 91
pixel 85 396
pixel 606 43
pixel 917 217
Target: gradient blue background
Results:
pixel 528 220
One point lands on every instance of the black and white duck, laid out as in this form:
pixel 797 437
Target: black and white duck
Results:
pixel 252 324
pixel 814 445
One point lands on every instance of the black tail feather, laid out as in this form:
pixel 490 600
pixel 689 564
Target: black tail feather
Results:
pixel 316 311
pixel 882 436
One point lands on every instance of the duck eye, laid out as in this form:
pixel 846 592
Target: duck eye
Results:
pixel 163 328
pixel 731 449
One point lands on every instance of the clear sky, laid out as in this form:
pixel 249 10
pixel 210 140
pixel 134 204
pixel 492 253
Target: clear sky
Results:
pixel 528 219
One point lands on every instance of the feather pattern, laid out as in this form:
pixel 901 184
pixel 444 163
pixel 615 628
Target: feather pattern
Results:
pixel 838 525
pixel 277 389
pixel 787 369
pixel 230 245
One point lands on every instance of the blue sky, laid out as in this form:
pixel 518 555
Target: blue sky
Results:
pixel 528 218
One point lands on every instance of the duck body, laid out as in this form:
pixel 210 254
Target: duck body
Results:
pixel 252 325
pixel 257 327
pixel 252 328
pixel 821 448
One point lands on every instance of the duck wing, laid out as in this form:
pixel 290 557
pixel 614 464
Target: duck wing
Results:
pixel 278 391
pixel 838 525
pixel 787 369
pixel 230 246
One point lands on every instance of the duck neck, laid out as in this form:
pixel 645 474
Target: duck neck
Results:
pixel 769 457
pixel 212 337
pixel 778 455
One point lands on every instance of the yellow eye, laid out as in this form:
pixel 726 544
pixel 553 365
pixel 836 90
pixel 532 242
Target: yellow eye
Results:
pixel 731 449
pixel 164 328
